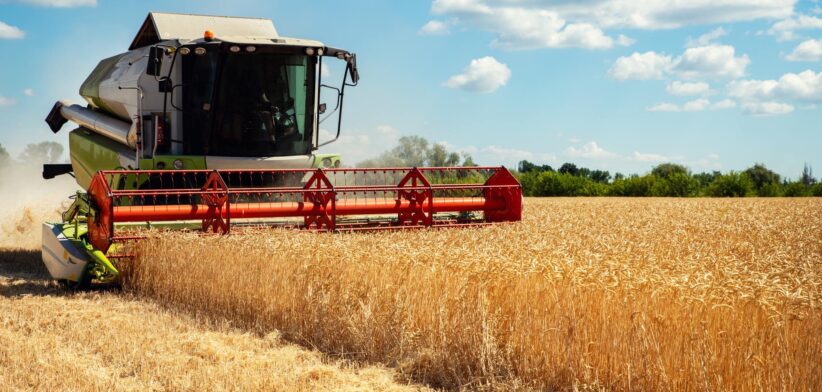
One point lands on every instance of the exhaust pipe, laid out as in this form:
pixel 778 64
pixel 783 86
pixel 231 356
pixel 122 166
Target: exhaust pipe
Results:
pixel 114 129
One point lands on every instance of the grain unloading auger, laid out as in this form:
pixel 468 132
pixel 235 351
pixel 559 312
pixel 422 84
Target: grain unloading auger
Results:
pixel 218 131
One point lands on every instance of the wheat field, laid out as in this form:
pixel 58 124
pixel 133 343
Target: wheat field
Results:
pixel 52 339
pixel 605 294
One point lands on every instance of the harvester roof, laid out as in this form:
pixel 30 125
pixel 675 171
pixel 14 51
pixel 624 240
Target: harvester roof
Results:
pixel 160 26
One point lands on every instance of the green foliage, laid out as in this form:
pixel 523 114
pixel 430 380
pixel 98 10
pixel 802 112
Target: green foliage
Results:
pixel 796 189
pixel 733 184
pixel 765 181
pixel 705 179
pixel 635 186
pixel 416 151
pixel 560 184
pixel 675 184
pixel 668 170
pixel 807 176
pixel 569 168
pixel 664 180
pixel 526 167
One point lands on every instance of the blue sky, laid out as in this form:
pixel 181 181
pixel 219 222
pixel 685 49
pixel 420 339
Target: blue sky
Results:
pixel 714 85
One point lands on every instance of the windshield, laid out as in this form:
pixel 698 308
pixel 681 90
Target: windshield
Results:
pixel 259 105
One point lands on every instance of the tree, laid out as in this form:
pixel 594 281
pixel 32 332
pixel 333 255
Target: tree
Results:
pixel 705 179
pixel 600 176
pixel 569 168
pixel 765 181
pixel 453 159
pixel 412 150
pixel 467 160
pixel 437 155
pixel 526 166
pixel 733 184
pixel 416 151
pixel 667 170
pixel 44 152
pixel 4 157
pixel 807 176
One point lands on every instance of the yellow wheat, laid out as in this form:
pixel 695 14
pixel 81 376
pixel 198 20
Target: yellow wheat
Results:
pixel 617 294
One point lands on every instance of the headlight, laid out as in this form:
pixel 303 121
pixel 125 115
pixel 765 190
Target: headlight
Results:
pixel 200 51
pixel 309 51
pixel 250 49
pixel 327 162
pixel 234 49
pixel 185 51
pixel 178 164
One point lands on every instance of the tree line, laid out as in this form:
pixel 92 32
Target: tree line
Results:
pixel 35 153
pixel 664 180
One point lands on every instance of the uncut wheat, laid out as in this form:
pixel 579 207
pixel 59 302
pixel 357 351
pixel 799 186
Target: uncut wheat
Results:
pixel 623 294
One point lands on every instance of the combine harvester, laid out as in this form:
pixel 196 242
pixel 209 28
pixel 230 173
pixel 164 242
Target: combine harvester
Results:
pixel 212 123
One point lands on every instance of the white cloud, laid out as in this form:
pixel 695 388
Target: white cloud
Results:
pixel 28 92
pixel 766 108
pixel 324 71
pixel 696 105
pixel 590 150
pixel 61 3
pixel 724 104
pixel 804 86
pixel 707 38
pixel 484 75
pixel 524 27
pixel 511 156
pixel 10 32
pixel 712 61
pixel 640 66
pixel 388 131
pixel 785 29
pixel 646 14
pixel 664 107
pixel 6 101
pixel 434 27
pixel 810 50
pixel 623 40
pixel 702 62
pixel 648 157
pixel 686 89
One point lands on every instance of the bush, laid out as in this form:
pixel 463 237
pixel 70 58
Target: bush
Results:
pixel 797 189
pixel 560 184
pixel 634 186
pixel 769 190
pixel 817 190
pixel 732 184
pixel 675 185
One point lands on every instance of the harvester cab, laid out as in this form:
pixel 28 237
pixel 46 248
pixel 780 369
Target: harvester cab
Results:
pixel 212 122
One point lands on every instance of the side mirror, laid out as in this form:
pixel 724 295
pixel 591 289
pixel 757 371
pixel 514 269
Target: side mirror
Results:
pixel 155 61
pixel 352 67
pixel 322 108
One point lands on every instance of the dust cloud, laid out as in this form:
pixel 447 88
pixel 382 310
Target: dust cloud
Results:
pixel 27 200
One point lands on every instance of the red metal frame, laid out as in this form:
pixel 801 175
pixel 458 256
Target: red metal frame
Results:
pixel 325 199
